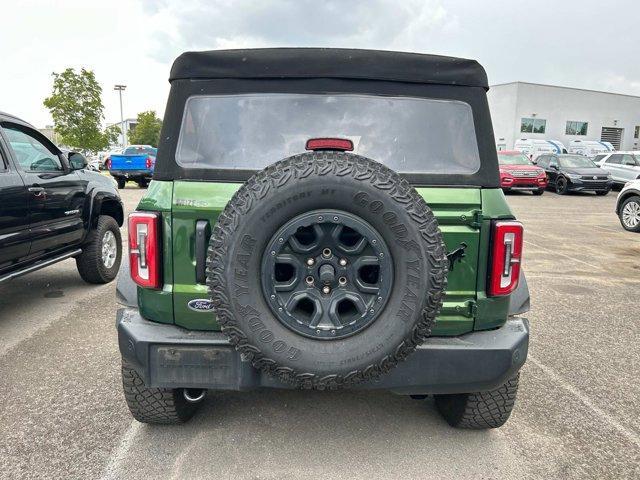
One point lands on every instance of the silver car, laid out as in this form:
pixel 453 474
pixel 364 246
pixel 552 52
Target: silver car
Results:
pixel 623 166
pixel 628 206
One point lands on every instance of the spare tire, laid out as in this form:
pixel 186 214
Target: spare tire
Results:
pixel 326 269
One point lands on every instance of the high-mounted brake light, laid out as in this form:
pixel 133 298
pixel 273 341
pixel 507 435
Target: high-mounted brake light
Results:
pixel 506 258
pixel 144 249
pixel 342 144
pixel 149 162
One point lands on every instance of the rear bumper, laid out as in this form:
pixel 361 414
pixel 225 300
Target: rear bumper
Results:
pixel 131 173
pixel 172 357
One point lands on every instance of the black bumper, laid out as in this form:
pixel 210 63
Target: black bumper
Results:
pixel 131 174
pixel 172 357
pixel 601 186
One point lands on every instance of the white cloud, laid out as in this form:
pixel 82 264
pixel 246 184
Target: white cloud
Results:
pixel 574 43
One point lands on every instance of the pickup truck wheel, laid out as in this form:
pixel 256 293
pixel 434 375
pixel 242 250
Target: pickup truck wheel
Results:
pixel 630 214
pixel 122 182
pixel 326 269
pixel 479 410
pixel 101 255
pixel 143 183
pixel 154 405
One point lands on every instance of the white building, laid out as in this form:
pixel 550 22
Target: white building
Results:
pixel 529 110
pixel 126 127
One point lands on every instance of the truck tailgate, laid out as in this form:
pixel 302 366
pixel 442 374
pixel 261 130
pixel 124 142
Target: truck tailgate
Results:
pixel 129 162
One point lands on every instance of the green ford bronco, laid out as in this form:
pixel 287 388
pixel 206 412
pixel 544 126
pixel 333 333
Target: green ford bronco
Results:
pixel 323 219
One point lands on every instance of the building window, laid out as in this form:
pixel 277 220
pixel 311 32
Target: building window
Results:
pixel 636 133
pixel 576 128
pixel 533 125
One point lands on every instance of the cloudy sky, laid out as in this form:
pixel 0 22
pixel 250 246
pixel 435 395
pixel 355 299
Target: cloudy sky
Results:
pixel 587 44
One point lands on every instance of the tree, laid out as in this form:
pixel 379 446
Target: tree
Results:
pixel 147 131
pixel 77 111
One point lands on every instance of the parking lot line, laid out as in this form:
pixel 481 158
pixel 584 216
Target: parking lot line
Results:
pixel 584 399
pixel 112 470
pixel 561 254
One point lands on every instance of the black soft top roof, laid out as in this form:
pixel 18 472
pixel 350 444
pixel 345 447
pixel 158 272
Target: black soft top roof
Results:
pixel 329 63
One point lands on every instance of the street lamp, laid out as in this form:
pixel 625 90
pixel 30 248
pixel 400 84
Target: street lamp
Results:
pixel 120 89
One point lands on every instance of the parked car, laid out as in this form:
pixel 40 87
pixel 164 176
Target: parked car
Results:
pixel 135 163
pixel 628 206
pixel 326 269
pixel 517 172
pixel 589 148
pixel 575 173
pixel 623 166
pixel 53 208
pixel 534 147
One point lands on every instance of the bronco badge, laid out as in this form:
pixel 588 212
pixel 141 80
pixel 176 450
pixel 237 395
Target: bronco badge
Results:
pixel 200 305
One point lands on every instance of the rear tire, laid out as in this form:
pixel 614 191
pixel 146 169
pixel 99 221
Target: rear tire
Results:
pixel 540 191
pixel 164 406
pixel 100 258
pixel 122 182
pixel 143 183
pixel 602 193
pixel 481 410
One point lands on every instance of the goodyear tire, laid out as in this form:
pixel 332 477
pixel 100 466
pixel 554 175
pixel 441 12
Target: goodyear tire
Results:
pixel 326 269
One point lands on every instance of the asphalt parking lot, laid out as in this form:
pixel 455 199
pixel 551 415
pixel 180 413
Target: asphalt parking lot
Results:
pixel 577 415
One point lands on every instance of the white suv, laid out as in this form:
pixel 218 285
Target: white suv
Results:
pixel 623 166
pixel 628 206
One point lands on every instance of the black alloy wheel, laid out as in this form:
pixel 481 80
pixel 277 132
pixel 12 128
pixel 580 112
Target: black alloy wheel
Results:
pixel 561 186
pixel 327 274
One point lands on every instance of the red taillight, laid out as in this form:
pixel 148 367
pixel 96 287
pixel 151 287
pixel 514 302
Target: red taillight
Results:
pixel 506 258
pixel 144 249
pixel 343 144
pixel 108 163
pixel 149 162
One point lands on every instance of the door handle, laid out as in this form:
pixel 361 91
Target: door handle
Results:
pixel 203 233
pixel 37 191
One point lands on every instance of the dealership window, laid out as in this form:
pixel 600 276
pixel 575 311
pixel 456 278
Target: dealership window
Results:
pixel 636 133
pixel 576 128
pixel 533 125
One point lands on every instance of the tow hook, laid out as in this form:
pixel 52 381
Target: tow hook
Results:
pixel 194 395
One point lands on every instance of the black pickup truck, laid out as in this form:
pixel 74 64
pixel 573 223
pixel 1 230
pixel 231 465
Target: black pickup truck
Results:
pixel 53 208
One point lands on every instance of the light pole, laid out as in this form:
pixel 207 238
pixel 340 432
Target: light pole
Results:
pixel 120 89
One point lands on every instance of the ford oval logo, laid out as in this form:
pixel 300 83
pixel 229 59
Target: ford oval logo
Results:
pixel 200 305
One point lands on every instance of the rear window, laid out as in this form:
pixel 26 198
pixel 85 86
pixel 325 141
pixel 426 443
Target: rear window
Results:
pixel 251 131
pixel 140 151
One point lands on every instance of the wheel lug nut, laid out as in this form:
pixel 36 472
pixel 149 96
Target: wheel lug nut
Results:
pixel 310 261
pixel 326 289
pixel 326 253
pixel 343 261
pixel 342 281
pixel 309 280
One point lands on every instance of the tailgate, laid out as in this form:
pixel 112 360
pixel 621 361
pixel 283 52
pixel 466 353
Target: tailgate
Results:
pixel 129 162
pixel 456 209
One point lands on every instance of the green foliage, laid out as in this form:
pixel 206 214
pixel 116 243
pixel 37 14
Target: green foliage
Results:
pixel 76 107
pixel 112 133
pixel 147 131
